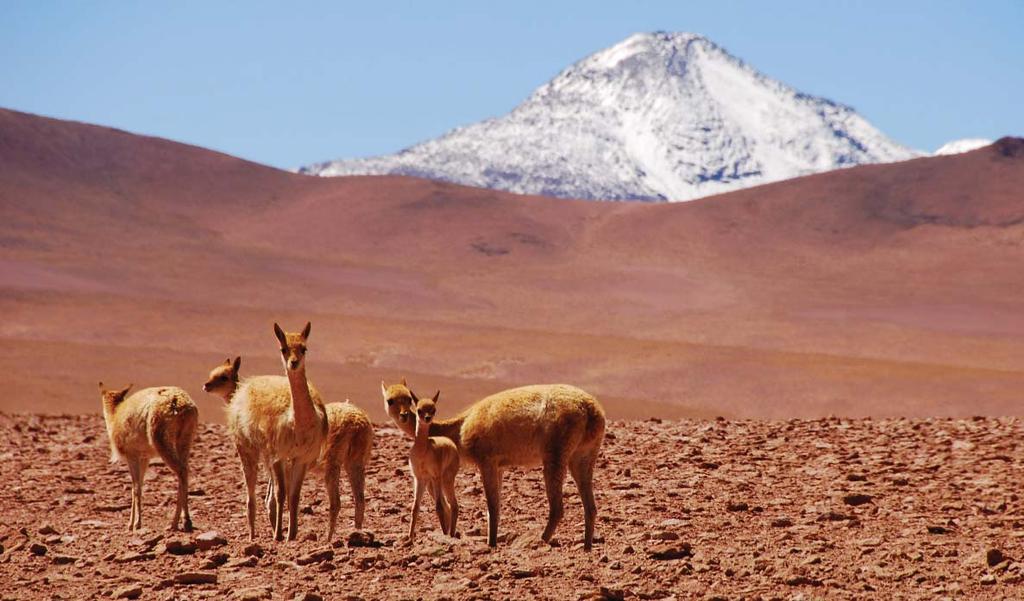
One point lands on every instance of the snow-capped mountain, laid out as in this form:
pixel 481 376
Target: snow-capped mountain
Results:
pixel 659 116
pixel 959 146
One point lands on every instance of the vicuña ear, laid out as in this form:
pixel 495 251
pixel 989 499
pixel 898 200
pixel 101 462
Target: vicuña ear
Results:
pixel 280 335
pixel 415 399
pixel 102 389
pixel 305 330
pixel 384 389
pixel 236 365
pixel 125 391
pixel 437 395
pixel 404 383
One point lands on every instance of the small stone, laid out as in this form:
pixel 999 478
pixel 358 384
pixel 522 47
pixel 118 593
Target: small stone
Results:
pixel 938 530
pixel 179 547
pixel 610 594
pixel 195 578
pixel 253 550
pixel 994 557
pixel 210 540
pixel 254 594
pixel 665 535
pixel 669 551
pixel 365 539
pixel 215 561
pixel 38 549
pixel 62 560
pixel 741 506
pixel 132 591
pixel 782 523
pixel 316 557
pixel 800 580
pixel 248 562
pixel 988 579
pixel 48 529
pixel 523 572
pixel 307 597
pixel 857 499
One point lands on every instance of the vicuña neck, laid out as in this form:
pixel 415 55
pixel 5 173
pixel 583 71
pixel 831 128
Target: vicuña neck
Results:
pixel 302 401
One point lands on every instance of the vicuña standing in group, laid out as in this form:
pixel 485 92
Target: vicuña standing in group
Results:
pixel 348 445
pixel 153 421
pixel 434 461
pixel 281 422
pixel 557 426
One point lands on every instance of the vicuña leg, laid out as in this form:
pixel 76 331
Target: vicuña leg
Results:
pixel 582 469
pixel 332 473
pixel 357 481
pixel 296 475
pixel 554 480
pixel 280 496
pixel 491 477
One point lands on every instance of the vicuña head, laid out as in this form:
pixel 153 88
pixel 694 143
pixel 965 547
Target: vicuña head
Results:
pixel 398 401
pixel 223 379
pixel 425 411
pixel 111 399
pixel 293 347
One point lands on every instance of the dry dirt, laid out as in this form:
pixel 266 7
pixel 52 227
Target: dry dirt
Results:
pixel 830 508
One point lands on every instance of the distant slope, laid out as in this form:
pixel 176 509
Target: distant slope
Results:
pixel 661 116
pixel 878 290
pixel 959 146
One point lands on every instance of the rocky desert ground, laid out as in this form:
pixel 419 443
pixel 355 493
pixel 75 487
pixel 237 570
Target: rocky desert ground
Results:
pixel 799 509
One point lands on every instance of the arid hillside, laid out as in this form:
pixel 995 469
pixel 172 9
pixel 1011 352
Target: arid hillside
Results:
pixel 881 290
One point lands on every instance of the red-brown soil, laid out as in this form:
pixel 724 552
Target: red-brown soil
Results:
pixel 883 290
pixel 823 509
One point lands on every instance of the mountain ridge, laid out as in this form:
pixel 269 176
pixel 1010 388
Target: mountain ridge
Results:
pixel 659 116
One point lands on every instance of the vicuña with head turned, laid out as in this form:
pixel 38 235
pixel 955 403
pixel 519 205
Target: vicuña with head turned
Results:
pixel 348 445
pixel 434 461
pixel 283 427
pixel 557 426
pixel 152 422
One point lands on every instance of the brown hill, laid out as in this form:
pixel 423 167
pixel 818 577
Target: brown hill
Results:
pixel 879 290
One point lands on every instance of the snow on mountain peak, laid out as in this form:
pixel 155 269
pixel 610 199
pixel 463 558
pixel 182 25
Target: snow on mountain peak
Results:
pixel 658 116
pixel 960 146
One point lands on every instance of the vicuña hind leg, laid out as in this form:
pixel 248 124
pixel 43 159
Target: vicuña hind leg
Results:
pixel 249 474
pixel 332 473
pixel 453 505
pixel 134 470
pixel 554 480
pixel 357 481
pixel 491 477
pixel 439 506
pixel 582 469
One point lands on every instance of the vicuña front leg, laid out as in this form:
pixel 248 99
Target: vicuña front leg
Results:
pixel 295 478
pixel 418 487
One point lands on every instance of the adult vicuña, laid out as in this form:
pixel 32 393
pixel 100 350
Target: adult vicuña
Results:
pixel 555 425
pixel 283 428
pixel 348 444
pixel 434 461
pixel 153 421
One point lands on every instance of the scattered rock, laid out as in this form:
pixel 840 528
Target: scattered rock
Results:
pixel 938 530
pixel 857 499
pixel 670 551
pixel 524 572
pixel 247 562
pixel 131 591
pixel 253 550
pixel 782 523
pixel 216 560
pixel 254 594
pixel 801 580
pixel 37 549
pixel 361 538
pixel 210 540
pixel 307 597
pixel 994 557
pixel 734 507
pixel 988 579
pixel 179 547
pixel 189 578
pixel 63 559
pixel 316 557
pixel 48 529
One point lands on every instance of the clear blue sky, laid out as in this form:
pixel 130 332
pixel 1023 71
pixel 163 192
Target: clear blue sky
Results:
pixel 292 83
